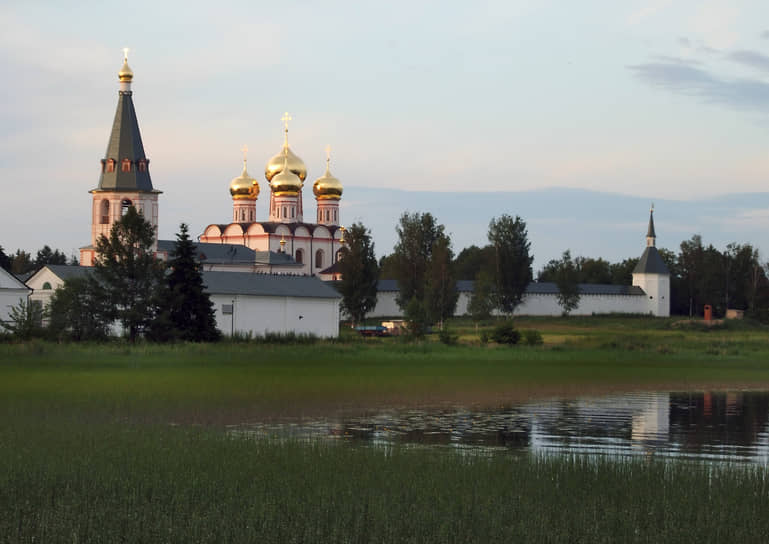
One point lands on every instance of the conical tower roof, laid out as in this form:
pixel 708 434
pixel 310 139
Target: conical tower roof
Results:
pixel 125 142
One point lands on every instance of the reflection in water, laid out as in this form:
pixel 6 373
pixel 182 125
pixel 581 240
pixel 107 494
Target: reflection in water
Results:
pixel 711 426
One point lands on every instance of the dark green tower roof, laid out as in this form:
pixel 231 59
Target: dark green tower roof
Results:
pixel 130 169
pixel 650 233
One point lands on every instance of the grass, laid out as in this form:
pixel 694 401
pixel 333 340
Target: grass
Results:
pixel 87 453
pixel 63 481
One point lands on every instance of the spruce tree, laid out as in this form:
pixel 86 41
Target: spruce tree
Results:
pixel 185 309
pixel 360 273
pixel 127 273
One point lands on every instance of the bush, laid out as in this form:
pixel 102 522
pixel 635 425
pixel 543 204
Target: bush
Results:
pixel 532 337
pixel 505 333
pixel 484 337
pixel 447 337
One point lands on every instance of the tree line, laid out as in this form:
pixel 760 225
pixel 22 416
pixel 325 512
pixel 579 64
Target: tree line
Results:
pixel 22 262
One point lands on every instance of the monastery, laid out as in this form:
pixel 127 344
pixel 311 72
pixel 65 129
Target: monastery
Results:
pixel 265 276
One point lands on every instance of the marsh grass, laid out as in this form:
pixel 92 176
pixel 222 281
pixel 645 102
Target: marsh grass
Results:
pixel 68 481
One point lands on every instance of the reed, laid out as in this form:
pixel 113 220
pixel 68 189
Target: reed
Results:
pixel 76 481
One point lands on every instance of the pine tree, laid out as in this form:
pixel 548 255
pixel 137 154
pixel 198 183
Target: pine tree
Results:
pixel 185 309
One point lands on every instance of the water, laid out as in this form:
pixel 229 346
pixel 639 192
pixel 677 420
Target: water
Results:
pixel 711 426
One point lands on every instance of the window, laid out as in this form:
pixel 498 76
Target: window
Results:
pixel 110 165
pixel 335 218
pixel 293 211
pixel 327 216
pixel 124 205
pixel 125 165
pixel 319 259
pixel 104 212
pixel 285 212
pixel 300 256
pixel 143 165
pixel 46 285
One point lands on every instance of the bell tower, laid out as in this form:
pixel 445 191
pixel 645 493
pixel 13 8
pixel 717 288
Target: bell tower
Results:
pixel 125 176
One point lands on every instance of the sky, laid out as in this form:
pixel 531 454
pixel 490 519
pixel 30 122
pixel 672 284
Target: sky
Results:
pixel 659 100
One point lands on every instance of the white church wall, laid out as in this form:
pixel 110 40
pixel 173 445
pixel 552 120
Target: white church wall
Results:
pixel 8 299
pixel 259 315
pixel 546 304
pixel 536 305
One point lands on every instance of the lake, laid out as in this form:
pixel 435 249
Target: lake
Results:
pixel 712 426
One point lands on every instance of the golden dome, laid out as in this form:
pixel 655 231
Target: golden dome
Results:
pixel 285 181
pixel 295 164
pixel 125 73
pixel 327 187
pixel 244 187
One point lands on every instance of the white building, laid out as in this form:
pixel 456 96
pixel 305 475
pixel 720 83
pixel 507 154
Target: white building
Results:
pixel 244 302
pixel 12 291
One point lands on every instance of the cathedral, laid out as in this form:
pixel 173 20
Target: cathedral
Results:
pixel 314 246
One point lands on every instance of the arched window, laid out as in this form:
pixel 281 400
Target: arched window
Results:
pixel 285 212
pixel 104 212
pixel 142 165
pixel 110 165
pixel 319 259
pixel 300 256
pixel 339 255
pixel 293 212
pixel 125 165
pixel 335 217
pixel 124 205
pixel 46 285
pixel 242 215
pixel 327 216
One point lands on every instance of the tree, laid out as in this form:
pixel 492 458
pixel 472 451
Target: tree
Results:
pixel 26 319
pixel 21 262
pixel 567 280
pixel 482 300
pixel 79 311
pixel 622 272
pixel 441 293
pixel 471 260
pixel 388 267
pixel 360 273
pixel 127 272
pixel 417 234
pixel 185 310
pixel 5 261
pixel 512 270
pixel 48 256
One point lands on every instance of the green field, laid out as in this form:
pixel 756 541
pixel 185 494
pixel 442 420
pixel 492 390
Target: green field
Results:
pixel 118 442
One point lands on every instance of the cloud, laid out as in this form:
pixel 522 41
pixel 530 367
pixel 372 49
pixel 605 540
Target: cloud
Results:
pixel 649 10
pixel 754 59
pixel 686 79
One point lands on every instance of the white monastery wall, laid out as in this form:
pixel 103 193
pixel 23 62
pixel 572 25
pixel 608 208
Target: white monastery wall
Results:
pixel 536 304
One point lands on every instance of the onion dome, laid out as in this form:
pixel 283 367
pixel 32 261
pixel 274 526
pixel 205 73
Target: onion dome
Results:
pixel 327 187
pixel 125 73
pixel 244 187
pixel 285 181
pixel 276 163
pixel 295 164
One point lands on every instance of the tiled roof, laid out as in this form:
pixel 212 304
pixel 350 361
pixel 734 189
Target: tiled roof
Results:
pixel 277 285
pixel 537 288
pixel 125 142
pixel 651 263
